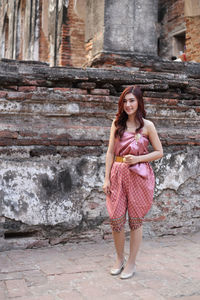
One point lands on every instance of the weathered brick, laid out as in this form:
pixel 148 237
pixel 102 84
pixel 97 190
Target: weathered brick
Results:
pixel 86 85
pixel 28 142
pixel 170 21
pixel 8 134
pixel 12 87
pixel 71 90
pixel 27 88
pixel 54 136
pixel 34 82
pixel 166 95
pixel 3 94
pixel 82 143
pixel 28 133
pixel 80 151
pixel 93 205
pixel 15 96
pixel 72 51
pixel 105 92
pixel 161 101
pixel 7 142
pixel 192 38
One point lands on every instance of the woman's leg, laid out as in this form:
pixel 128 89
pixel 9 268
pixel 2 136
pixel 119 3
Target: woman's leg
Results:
pixel 119 241
pixel 135 241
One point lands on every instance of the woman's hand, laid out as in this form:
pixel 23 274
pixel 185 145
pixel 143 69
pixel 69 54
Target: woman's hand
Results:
pixel 106 187
pixel 131 159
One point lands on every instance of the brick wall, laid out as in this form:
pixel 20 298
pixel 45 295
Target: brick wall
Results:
pixel 30 21
pixel 22 30
pixel 20 33
pixel 72 48
pixel 171 20
pixel 55 125
pixel 172 23
pixel 44 44
pixel 193 38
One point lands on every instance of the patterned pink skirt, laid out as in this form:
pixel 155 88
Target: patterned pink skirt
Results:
pixel 129 192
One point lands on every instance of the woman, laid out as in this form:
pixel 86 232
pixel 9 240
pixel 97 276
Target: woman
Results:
pixel 129 178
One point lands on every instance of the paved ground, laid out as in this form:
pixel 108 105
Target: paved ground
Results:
pixel 167 268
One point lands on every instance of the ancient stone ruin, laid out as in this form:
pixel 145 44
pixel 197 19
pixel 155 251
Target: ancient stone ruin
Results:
pixel 77 32
pixel 55 126
pixel 60 82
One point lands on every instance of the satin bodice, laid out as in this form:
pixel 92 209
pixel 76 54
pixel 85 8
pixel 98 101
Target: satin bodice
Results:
pixel 131 143
pixel 135 144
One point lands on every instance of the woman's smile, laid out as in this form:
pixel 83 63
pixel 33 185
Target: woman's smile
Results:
pixel 130 104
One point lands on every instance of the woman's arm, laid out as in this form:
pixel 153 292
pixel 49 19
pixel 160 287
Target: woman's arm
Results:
pixel 157 146
pixel 109 159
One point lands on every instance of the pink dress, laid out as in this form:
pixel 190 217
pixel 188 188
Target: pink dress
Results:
pixel 132 186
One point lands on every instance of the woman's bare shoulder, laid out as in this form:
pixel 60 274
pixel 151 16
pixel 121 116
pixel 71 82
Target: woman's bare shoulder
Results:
pixel 113 123
pixel 148 123
pixel 148 126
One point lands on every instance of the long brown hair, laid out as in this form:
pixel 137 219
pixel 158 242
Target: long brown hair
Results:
pixel 122 117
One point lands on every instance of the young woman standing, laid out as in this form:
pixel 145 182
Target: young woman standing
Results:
pixel 129 178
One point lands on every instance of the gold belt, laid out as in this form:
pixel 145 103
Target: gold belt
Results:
pixel 119 159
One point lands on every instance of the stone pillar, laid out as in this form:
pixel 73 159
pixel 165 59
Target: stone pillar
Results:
pixel 7 20
pixel 121 27
pixel 94 28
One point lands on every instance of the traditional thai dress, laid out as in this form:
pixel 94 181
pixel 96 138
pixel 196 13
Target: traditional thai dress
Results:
pixel 132 186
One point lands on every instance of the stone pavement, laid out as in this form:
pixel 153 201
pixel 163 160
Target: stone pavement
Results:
pixel 167 268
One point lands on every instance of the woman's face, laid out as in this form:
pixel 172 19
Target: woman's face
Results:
pixel 130 104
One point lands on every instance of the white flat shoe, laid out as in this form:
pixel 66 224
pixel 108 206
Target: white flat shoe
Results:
pixel 128 275
pixel 117 271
